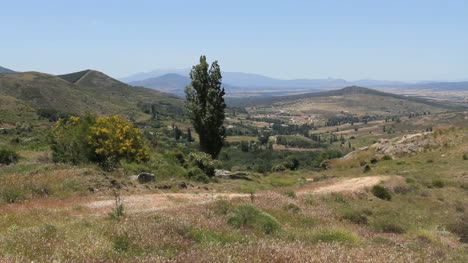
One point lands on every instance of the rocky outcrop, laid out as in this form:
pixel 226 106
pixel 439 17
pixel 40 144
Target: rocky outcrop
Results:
pixel 230 175
pixel 405 145
pixel 144 177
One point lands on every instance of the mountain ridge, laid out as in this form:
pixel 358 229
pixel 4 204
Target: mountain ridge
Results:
pixel 6 70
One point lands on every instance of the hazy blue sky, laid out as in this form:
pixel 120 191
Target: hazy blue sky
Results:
pixel 351 39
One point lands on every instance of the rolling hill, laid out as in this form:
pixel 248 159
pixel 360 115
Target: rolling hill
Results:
pixel 85 91
pixel 352 100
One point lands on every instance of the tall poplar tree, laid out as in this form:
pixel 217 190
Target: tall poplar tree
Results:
pixel 205 104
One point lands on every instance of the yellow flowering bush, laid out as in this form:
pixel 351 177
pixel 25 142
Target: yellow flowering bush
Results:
pixel 105 140
pixel 113 138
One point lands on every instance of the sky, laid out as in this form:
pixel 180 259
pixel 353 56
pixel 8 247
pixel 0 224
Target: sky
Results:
pixel 375 39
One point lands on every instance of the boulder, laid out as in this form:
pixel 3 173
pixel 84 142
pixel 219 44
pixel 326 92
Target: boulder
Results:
pixel 223 174
pixel 230 175
pixel 146 177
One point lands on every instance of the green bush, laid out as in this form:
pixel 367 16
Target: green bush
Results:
pixel 204 162
pixel 389 226
pixel 381 192
pixel 410 180
pixel 250 216
pixel 104 140
pixel 387 158
pixel 121 243
pixel 465 156
pixel 222 207
pixel 367 168
pixel 460 228
pixel 12 194
pixel 278 168
pixel 292 163
pixel 198 175
pixel 8 156
pixel 357 216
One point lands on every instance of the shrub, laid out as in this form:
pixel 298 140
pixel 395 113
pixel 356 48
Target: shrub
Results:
pixel 121 242
pixel 105 140
pixel 113 138
pixel 367 168
pixel 292 163
pixel 465 156
pixel 387 158
pixel 198 175
pixel 278 168
pixel 374 160
pixel 69 140
pixel 249 216
pixel 438 183
pixel 410 180
pixel 204 162
pixel 357 216
pixel 222 207
pixel 53 114
pixel 290 193
pixel 388 226
pixel 8 156
pixel 381 192
pixel 460 228
pixel 118 210
pixel 12 194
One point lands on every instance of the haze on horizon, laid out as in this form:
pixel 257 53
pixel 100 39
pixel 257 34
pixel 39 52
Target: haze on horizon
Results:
pixel 397 40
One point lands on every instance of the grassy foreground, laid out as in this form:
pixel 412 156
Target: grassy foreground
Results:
pixel 425 220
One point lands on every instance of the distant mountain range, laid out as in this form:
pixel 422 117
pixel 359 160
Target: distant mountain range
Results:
pixel 6 70
pixel 238 84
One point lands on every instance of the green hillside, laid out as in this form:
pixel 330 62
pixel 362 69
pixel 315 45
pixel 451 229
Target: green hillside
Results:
pixel 80 92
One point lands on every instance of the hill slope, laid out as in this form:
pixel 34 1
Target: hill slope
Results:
pixel 6 70
pixel 85 91
pixel 354 100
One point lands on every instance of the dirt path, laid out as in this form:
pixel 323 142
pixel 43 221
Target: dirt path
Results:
pixel 347 186
pixel 154 202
